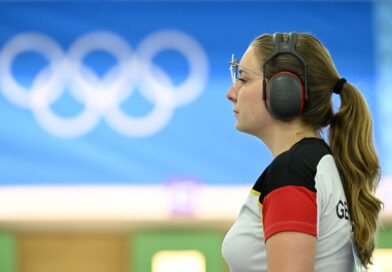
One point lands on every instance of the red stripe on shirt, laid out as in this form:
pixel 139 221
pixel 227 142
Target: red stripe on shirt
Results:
pixel 290 208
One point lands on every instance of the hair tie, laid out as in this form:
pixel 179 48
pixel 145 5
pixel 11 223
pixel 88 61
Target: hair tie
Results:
pixel 339 85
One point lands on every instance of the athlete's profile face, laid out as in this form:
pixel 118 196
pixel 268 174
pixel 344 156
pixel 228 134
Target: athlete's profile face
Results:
pixel 246 94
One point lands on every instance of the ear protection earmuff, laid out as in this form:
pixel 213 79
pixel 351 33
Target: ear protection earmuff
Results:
pixel 284 93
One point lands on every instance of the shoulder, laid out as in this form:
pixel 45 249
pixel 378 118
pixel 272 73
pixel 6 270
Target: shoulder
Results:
pixel 295 167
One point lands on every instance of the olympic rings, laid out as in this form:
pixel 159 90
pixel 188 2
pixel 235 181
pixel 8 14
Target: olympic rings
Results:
pixel 102 96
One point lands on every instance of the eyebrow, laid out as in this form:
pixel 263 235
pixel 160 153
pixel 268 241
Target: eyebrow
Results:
pixel 247 70
pixel 241 70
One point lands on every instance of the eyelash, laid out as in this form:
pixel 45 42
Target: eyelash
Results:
pixel 240 79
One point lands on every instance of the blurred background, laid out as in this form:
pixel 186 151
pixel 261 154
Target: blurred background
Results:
pixel 118 150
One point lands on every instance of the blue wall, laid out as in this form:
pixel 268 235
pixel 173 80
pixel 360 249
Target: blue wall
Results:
pixel 191 137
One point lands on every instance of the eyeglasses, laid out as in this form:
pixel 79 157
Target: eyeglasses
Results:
pixel 235 69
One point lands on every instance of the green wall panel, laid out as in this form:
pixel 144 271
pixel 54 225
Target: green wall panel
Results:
pixel 8 253
pixel 384 238
pixel 145 244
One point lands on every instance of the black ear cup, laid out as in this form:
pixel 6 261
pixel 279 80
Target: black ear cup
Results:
pixel 284 92
pixel 284 95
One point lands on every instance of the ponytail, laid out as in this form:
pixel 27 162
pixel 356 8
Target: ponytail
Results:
pixel 351 142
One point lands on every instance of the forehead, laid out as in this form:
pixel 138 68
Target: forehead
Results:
pixel 250 60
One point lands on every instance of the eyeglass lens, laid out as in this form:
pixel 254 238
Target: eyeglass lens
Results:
pixel 234 69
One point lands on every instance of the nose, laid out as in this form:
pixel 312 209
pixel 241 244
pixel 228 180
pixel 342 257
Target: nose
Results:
pixel 232 94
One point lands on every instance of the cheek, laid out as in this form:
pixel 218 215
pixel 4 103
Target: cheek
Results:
pixel 256 101
pixel 252 105
pixel 260 113
pixel 250 94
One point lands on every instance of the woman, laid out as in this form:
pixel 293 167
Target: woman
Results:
pixel 313 208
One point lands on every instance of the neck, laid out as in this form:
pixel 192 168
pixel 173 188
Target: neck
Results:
pixel 283 138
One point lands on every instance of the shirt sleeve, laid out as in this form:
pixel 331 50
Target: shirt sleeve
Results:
pixel 290 208
pixel 288 195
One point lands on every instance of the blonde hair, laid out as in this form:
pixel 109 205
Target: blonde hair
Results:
pixel 350 131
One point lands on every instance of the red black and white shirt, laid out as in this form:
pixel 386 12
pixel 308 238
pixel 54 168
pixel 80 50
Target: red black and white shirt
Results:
pixel 301 191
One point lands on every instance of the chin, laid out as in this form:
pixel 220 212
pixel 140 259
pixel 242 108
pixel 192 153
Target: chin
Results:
pixel 246 130
pixel 241 128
